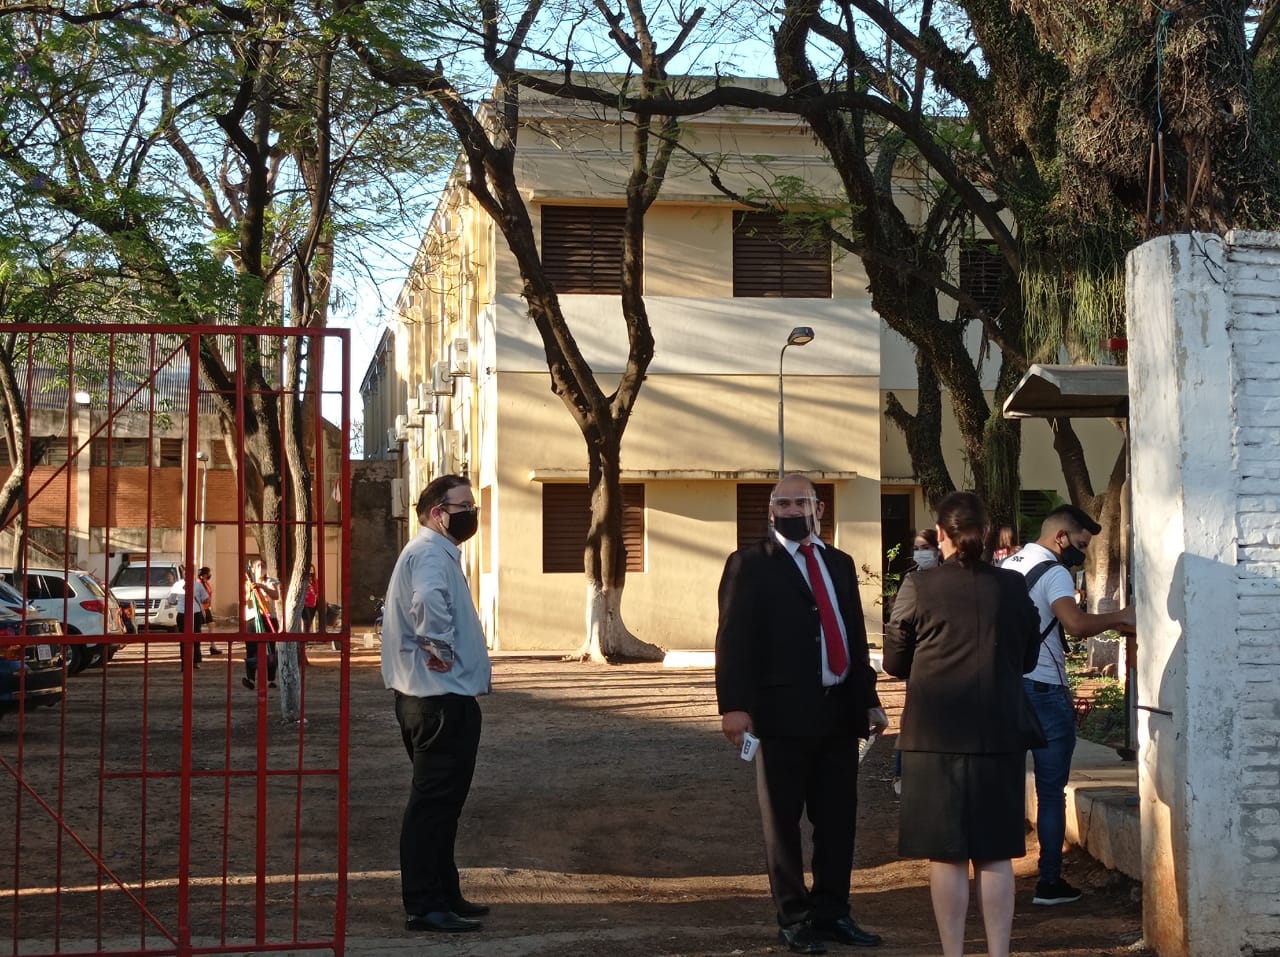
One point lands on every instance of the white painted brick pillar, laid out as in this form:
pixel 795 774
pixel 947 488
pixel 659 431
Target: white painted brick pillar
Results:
pixel 1204 385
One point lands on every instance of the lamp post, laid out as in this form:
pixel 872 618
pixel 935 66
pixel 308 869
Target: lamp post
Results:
pixel 800 335
pixel 204 487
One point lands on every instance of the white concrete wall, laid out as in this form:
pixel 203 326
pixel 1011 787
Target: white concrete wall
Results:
pixel 1204 388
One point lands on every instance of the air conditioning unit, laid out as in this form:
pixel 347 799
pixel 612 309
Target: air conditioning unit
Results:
pixel 441 380
pixel 399 501
pixel 450 451
pixel 402 428
pixel 461 356
pixel 419 402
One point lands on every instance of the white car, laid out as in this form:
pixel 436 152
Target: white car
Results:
pixel 147 586
pixel 77 599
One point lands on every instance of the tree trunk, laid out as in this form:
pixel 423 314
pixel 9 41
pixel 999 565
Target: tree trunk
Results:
pixel 607 636
pixel 1103 564
pixel 605 559
pixel 923 433
pixel 299 559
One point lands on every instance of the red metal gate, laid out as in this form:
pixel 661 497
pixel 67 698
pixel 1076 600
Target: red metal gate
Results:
pixel 150 804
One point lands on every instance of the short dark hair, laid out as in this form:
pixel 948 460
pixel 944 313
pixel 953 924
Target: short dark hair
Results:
pixel 437 491
pixel 964 518
pixel 1073 518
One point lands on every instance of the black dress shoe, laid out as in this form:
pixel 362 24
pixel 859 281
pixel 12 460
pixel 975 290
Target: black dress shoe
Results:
pixel 800 939
pixel 844 931
pixel 443 921
pixel 465 908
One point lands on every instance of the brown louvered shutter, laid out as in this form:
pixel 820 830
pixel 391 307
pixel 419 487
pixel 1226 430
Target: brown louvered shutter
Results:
pixel 981 274
pixel 566 518
pixel 753 512
pixel 582 248
pixel 768 263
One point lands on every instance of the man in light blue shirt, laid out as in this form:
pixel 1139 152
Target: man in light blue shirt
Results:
pixel 435 659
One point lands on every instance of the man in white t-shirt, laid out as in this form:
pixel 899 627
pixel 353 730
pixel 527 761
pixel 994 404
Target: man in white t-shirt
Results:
pixel 1046 563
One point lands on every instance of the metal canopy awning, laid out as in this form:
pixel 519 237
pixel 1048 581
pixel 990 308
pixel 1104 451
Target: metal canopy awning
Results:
pixel 1075 392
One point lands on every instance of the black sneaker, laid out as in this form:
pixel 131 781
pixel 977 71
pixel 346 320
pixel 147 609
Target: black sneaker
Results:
pixel 1055 892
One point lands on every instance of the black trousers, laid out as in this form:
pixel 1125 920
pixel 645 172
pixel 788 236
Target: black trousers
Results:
pixel 197 620
pixel 817 776
pixel 442 736
pixel 251 652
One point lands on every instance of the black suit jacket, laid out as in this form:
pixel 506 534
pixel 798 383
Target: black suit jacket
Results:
pixel 768 651
pixel 964 637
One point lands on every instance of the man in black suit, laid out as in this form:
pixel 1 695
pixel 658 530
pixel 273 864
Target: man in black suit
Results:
pixel 792 667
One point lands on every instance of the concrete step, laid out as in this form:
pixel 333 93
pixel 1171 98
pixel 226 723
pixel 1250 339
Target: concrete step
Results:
pixel 1102 807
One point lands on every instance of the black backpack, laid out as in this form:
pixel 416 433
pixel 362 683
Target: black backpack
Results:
pixel 1033 576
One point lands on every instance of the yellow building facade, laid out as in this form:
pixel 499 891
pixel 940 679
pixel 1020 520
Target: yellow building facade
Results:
pixel 460 382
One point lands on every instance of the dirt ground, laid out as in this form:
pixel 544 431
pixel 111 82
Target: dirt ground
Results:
pixel 608 816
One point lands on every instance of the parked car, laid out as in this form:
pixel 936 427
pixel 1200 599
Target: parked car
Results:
pixel 31 672
pixel 80 601
pixel 147 585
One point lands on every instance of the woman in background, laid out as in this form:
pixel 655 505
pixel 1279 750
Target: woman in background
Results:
pixel 924 554
pixel 964 633
pixel 1006 545
pixel 924 549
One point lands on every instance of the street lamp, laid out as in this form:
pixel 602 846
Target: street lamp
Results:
pixel 204 487
pixel 800 336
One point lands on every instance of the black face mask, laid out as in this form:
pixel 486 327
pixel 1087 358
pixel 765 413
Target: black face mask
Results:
pixel 1072 556
pixel 792 527
pixel 462 525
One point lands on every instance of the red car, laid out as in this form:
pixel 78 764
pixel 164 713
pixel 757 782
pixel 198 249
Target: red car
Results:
pixel 31 670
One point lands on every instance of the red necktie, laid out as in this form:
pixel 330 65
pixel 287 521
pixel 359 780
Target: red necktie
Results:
pixel 837 657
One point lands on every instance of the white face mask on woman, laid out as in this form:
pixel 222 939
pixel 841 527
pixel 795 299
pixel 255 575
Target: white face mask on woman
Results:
pixel 924 557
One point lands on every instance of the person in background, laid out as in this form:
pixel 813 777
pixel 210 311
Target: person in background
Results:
pixel 964 633
pixel 924 554
pixel 178 595
pixel 206 578
pixel 792 668
pixel 924 549
pixel 1006 545
pixel 261 592
pixel 436 661
pixel 310 598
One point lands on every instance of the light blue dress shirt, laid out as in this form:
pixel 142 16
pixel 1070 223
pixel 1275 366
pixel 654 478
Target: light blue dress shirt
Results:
pixel 428 598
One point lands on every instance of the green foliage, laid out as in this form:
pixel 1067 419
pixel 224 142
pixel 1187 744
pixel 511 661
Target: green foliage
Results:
pixel 1072 286
pixel 1105 722
pixel 888 581
pixel 125 155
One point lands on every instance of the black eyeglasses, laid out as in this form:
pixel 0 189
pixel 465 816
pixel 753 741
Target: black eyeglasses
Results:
pixel 460 506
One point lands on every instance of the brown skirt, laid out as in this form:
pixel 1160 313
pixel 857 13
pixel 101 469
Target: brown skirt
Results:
pixel 963 807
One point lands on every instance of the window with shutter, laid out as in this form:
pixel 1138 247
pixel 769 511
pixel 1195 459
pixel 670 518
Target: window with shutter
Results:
pixel 566 518
pixel 170 453
pixel 981 275
pixel 47 449
pixel 768 262
pixel 582 248
pixel 120 451
pixel 753 512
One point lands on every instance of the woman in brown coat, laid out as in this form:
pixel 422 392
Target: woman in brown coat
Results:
pixel 964 633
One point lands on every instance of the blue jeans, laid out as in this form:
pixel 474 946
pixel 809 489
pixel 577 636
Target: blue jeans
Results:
pixel 1057 714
